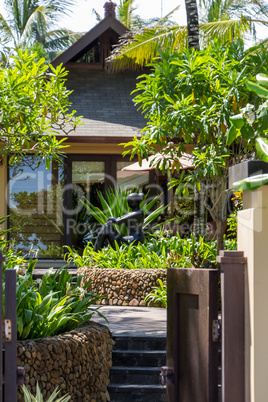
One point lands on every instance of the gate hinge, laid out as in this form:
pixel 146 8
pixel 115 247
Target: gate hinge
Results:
pixel 7 330
pixel 166 377
pixel 216 330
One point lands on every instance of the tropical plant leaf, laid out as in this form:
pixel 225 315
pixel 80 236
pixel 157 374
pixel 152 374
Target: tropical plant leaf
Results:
pixel 258 89
pixel 251 183
pixel 262 148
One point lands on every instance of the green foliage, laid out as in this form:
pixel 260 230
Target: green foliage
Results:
pixel 12 257
pixel 124 257
pixel 51 305
pixel 158 251
pixel 196 97
pixel 53 251
pixel 192 96
pixel 255 121
pixel 28 397
pixel 158 294
pixel 33 105
pixel 114 204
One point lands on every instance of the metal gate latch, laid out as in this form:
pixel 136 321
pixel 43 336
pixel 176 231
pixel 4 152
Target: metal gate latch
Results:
pixel 166 377
pixel 7 330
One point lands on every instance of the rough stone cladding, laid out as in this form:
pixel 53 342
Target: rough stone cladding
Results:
pixel 122 287
pixel 105 103
pixel 77 363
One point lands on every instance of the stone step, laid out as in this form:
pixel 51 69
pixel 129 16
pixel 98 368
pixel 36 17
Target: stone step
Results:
pixel 135 375
pixel 139 358
pixel 137 393
pixel 140 343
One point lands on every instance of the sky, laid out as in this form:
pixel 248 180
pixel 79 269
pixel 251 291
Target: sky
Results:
pixel 82 19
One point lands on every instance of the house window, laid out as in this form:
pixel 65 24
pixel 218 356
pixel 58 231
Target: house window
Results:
pixel 35 207
pixel 88 178
pixel 47 207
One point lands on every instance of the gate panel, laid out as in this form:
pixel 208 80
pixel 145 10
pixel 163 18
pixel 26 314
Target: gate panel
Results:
pixel 191 352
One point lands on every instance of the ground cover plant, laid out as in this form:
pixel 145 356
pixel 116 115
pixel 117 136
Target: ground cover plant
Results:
pixel 52 305
pixel 158 251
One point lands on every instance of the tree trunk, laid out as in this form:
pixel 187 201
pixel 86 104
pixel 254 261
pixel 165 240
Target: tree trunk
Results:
pixel 217 208
pixel 192 23
pixel 200 215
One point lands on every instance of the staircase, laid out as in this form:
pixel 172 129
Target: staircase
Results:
pixel 137 363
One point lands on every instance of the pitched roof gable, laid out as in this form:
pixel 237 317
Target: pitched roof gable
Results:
pixel 107 23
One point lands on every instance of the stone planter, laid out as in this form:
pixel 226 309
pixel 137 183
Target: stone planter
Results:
pixel 77 363
pixel 123 287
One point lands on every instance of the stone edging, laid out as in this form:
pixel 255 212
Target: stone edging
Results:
pixel 123 287
pixel 77 362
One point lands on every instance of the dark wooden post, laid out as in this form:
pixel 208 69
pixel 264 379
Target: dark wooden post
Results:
pixel 2 259
pixel 233 325
pixel 11 342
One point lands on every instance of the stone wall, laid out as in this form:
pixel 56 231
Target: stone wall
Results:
pixel 123 287
pixel 76 362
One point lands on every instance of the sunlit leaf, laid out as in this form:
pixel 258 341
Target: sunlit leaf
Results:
pixel 262 148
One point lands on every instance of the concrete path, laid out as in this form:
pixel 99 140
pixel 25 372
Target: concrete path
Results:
pixel 134 321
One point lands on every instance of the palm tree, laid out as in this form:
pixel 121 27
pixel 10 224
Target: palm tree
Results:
pixel 31 21
pixel 216 21
pixel 192 23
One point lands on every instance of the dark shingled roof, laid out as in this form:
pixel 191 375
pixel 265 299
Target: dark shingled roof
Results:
pixel 108 23
pixel 102 99
pixel 105 103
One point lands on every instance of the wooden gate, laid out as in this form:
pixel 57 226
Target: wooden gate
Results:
pixel 192 335
pixel 10 376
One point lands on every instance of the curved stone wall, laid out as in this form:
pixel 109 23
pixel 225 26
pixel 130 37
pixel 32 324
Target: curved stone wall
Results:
pixel 77 362
pixel 123 287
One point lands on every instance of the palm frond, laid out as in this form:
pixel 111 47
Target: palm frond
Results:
pixel 139 51
pixel 97 15
pixel 226 31
pixel 5 29
pixel 36 22
pixel 60 39
pixel 125 12
pixel 162 21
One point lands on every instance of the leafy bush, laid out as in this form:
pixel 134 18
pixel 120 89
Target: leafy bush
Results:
pixel 124 257
pixel 158 251
pixel 12 258
pixel 51 305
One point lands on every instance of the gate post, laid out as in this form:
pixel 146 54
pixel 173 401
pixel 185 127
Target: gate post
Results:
pixel 2 259
pixel 11 343
pixel 233 325
pixel 252 239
